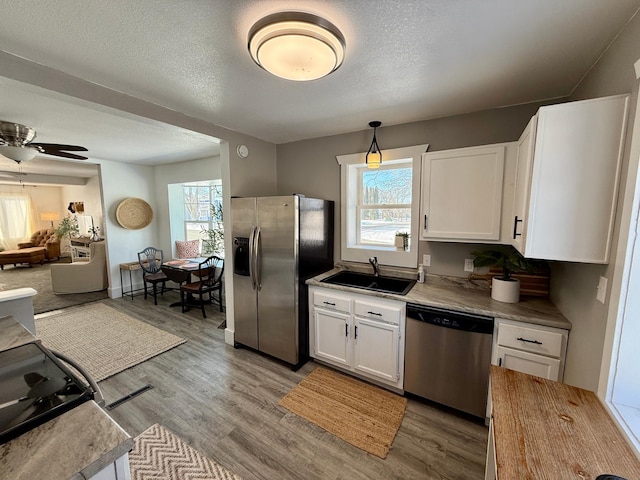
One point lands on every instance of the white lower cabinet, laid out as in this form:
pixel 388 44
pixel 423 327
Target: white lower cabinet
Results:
pixel 376 349
pixel 491 468
pixel 360 334
pixel 118 470
pixel 332 336
pixel 533 349
pixel 530 363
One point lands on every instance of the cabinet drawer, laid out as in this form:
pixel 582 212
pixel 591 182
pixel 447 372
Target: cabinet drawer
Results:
pixel 386 313
pixel 542 342
pixel 332 302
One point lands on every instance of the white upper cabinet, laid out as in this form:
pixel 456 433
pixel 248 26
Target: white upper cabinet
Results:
pixel 462 194
pixel 567 177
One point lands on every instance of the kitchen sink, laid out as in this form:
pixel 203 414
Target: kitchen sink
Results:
pixel 399 286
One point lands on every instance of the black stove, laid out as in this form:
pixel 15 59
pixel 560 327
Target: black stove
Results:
pixel 34 388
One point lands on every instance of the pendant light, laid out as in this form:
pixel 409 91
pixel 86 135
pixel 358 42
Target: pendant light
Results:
pixel 296 45
pixel 374 155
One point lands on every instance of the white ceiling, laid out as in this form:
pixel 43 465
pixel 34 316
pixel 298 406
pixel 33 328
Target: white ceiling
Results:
pixel 406 60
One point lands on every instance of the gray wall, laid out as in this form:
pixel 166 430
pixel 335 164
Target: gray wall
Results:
pixel 309 166
pixel 573 286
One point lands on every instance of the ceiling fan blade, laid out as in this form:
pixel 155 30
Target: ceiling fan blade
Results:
pixel 66 155
pixel 56 147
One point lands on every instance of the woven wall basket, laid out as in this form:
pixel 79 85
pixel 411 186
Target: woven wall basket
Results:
pixel 134 213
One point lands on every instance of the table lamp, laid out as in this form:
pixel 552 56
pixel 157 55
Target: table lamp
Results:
pixel 50 216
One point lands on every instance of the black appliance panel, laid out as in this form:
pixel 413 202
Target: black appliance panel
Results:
pixel 34 388
pixel 241 256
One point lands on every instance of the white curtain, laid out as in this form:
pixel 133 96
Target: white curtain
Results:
pixel 16 219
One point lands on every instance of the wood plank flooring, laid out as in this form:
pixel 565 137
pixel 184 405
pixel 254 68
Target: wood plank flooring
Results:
pixel 224 402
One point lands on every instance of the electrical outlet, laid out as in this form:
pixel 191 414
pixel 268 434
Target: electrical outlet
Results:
pixel 468 264
pixel 426 260
pixel 602 290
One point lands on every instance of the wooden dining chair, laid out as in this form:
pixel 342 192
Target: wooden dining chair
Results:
pixel 208 280
pixel 151 260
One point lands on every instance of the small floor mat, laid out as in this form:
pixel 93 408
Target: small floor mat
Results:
pixel 366 416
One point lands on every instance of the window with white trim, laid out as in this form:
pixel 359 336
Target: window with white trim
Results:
pixel 378 203
pixel 202 207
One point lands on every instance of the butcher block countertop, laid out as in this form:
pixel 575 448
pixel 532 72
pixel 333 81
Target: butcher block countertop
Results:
pixel 548 430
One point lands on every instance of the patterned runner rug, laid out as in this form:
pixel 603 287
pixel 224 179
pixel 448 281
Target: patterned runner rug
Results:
pixel 160 454
pixel 367 417
pixel 103 340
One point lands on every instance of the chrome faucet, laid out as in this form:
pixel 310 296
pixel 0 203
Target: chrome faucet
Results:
pixel 374 263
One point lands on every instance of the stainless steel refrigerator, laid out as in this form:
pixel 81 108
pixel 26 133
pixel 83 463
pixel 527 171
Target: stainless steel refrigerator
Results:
pixel 278 243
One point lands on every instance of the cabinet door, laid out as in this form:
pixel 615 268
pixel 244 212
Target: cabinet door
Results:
pixel 376 349
pixel 526 145
pixel 530 363
pixel 491 466
pixel 574 181
pixel 462 194
pixel 118 470
pixel 331 337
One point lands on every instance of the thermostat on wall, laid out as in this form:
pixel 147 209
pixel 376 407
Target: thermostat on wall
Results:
pixel 243 151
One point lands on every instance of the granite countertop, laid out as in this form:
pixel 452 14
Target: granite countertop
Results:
pixel 13 334
pixel 75 445
pixel 438 292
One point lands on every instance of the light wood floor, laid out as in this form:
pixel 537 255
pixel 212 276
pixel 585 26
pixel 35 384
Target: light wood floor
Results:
pixel 224 402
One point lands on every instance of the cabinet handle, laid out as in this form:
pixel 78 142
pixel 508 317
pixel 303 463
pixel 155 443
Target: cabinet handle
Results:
pixel 375 313
pixel 529 341
pixel 515 227
pixel 356 333
pixel 329 303
pixel 500 361
pixel 425 222
pixel 346 329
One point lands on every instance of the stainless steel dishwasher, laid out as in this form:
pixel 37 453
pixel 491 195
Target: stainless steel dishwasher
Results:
pixel 447 357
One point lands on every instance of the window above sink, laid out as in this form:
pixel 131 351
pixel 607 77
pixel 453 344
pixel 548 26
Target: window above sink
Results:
pixel 378 203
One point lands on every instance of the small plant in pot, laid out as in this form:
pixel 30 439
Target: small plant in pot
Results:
pixel 505 288
pixel 68 227
pixel 402 240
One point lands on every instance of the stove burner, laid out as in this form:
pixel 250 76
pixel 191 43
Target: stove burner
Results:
pixel 35 387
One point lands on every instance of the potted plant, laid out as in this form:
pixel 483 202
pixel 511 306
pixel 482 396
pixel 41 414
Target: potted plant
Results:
pixel 402 240
pixel 68 226
pixel 505 288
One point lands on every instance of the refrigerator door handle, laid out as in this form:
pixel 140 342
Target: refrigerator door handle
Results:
pixel 252 253
pixel 258 260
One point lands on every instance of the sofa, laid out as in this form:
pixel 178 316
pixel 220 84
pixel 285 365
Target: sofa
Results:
pixel 46 238
pixel 82 277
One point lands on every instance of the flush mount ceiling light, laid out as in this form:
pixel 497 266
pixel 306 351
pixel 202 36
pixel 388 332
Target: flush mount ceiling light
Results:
pixel 296 45
pixel 374 155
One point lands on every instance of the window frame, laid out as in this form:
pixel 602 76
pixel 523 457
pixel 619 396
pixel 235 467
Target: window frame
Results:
pixel 214 191
pixel 351 166
pixel 360 206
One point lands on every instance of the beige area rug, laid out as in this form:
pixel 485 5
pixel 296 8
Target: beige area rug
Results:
pixel 103 340
pixel 367 417
pixel 160 454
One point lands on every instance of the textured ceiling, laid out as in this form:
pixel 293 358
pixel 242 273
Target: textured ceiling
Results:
pixel 406 60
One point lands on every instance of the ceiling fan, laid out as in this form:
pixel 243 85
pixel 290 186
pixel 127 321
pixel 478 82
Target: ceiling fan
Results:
pixel 16 144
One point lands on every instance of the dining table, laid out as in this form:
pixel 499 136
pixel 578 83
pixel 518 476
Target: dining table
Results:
pixel 179 271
